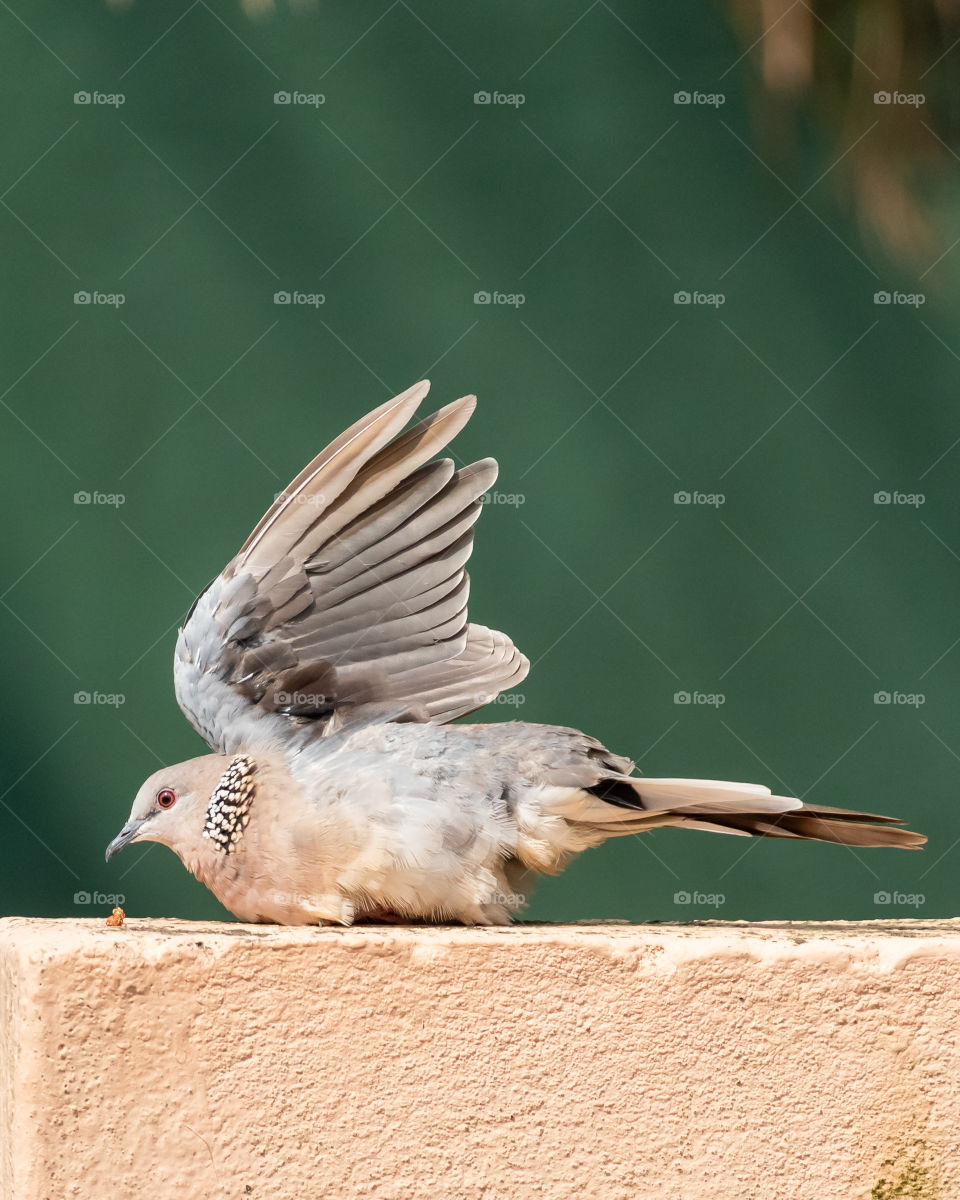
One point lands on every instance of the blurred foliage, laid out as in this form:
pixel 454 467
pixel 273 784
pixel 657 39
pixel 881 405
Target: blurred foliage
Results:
pixel 845 63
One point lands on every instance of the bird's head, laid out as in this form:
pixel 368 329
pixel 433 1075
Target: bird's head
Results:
pixel 171 805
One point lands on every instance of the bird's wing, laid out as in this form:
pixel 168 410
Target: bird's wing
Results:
pixel 348 601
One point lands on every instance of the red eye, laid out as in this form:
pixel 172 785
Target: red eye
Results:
pixel 166 798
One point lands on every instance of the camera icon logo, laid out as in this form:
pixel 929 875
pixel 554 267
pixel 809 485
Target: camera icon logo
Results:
pixel 681 97
pixel 481 97
pixel 481 297
pixel 281 97
pixel 881 97
pixel 681 897
pixel 681 697
pixel 681 497
pixel 81 297
pixel 81 97
pixel 81 497
pixel 881 297
pixel 281 297
pixel 881 897
pixel 681 297
pixel 881 697
pixel 81 697
pixel 81 897
pixel 881 497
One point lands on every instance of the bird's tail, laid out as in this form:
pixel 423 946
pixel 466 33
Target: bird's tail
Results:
pixel 621 804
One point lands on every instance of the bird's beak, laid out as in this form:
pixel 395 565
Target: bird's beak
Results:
pixel 126 835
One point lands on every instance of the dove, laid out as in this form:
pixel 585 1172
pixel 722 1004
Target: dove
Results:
pixel 325 666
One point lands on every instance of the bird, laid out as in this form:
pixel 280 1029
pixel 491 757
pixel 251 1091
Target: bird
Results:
pixel 325 667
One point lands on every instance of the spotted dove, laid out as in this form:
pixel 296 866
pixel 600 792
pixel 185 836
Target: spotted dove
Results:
pixel 324 667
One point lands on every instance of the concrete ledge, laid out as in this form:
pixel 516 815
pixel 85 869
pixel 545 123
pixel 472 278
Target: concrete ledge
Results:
pixel 690 1062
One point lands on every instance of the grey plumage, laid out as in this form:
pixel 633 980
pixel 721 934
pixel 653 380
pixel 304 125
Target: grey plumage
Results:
pixel 323 666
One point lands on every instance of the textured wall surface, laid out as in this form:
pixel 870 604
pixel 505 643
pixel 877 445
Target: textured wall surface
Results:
pixel 171 1058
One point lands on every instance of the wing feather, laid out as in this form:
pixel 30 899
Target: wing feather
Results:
pixel 348 601
pixel 322 480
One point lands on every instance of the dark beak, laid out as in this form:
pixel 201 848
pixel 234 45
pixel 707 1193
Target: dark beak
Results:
pixel 126 835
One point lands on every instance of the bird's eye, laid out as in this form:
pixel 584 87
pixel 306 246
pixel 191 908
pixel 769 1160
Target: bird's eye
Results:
pixel 166 798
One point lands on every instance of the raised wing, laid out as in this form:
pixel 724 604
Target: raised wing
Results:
pixel 348 601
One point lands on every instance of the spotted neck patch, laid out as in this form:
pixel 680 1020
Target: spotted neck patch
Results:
pixel 229 809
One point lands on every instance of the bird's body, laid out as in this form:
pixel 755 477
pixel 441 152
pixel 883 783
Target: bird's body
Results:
pixel 323 666
pixel 434 822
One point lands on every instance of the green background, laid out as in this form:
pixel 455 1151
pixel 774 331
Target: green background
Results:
pixel 398 199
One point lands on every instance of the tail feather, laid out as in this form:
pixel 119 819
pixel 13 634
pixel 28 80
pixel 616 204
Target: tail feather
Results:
pixel 690 795
pixel 621 804
pixel 820 824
